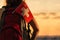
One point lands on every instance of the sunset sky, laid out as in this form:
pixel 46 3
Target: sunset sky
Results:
pixel 40 5
pixel 48 25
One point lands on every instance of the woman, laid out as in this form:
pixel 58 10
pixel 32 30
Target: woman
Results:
pixel 11 29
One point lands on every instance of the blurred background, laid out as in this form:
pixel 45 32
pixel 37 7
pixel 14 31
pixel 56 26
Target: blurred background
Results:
pixel 47 15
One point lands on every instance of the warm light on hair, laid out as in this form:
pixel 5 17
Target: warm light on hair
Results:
pixel 2 3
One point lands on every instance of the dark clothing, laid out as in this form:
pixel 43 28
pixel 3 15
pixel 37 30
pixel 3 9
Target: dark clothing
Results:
pixel 11 32
pixel 11 28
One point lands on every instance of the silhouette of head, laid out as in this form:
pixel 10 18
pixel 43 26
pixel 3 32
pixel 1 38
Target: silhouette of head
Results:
pixel 13 3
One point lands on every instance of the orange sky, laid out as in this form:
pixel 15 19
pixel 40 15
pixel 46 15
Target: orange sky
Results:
pixel 47 26
pixel 44 5
pixel 40 5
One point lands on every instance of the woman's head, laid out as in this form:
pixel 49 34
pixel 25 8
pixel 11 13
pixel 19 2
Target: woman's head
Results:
pixel 13 3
